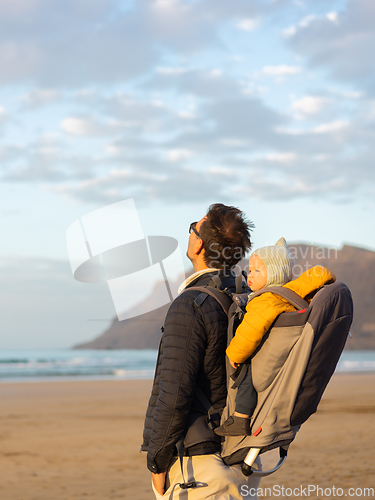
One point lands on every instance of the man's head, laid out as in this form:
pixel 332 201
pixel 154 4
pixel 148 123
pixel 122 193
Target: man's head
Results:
pixel 220 239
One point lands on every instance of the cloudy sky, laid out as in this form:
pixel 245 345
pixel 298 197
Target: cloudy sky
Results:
pixel 267 105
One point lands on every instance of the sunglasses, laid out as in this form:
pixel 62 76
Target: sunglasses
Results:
pixel 192 228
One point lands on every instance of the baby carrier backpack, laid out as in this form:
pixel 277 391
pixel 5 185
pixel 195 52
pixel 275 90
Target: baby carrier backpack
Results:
pixel 290 369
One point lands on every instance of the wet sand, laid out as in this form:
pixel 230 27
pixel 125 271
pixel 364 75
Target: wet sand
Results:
pixel 77 440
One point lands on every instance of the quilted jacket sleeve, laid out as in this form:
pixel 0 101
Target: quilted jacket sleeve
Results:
pixel 311 280
pixel 261 312
pixel 183 349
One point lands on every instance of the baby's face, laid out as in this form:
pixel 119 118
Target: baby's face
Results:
pixel 257 277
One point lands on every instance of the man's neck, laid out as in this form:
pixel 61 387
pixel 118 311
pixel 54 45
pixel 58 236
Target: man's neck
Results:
pixel 199 263
pixel 201 267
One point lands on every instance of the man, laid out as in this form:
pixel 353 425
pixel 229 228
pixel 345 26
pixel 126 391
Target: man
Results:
pixel 191 361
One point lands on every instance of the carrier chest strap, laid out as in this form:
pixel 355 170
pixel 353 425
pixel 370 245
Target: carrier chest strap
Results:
pixel 298 302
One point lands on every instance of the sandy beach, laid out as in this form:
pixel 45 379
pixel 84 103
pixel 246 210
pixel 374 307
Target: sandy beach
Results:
pixel 78 440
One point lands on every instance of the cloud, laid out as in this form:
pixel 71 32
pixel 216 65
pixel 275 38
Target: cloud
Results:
pixel 4 117
pixel 350 94
pixel 87 126
pixel 76 42
pixel 281 70
pixel 36 173
pixel 173 187
pixel 72 42
pixel 250 24
pixel 192 26
pixel 342 42
pixel 40 97
pixel 45 160
pixel 291 187
pixel 123 114
pixel 77 126
pixel 244 120
pixel 331 127
pixel 179 154
pixel 148 151
pixel 8 154
pixel 323 128
pixel 286 158
pixel 138 115
pixel 159 99
pixel 304 23
pixel 225 173
pixel 332 16
pixel 309 105
pixel 205 83
pixel 187 167
pixel 172 71
pixel 312 181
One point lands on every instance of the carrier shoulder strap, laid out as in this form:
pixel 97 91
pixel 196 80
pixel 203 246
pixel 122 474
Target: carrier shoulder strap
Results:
pixel 180 449
pixel 225 301
pixel 219 295
pixel 298 302
pixel 211 410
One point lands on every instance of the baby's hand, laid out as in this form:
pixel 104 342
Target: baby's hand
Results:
pixel 235 365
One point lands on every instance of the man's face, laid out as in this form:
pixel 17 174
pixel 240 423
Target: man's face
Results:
pixel 257 277
pixel 195 242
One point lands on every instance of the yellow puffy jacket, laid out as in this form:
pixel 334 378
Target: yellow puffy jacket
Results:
pixel 262 311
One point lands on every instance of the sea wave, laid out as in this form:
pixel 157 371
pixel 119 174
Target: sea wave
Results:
pixel 126 364
pixel 116 364
pixel 356 366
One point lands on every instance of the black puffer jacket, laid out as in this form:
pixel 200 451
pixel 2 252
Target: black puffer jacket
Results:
pixel 192 353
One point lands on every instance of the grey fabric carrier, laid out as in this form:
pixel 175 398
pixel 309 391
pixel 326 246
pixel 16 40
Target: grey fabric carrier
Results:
pixel 291 369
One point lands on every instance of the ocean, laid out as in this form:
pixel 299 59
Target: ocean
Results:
pixel 68 364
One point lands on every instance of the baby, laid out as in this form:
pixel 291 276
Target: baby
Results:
pixel 268 266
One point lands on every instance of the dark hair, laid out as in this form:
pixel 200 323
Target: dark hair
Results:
pixel 226 236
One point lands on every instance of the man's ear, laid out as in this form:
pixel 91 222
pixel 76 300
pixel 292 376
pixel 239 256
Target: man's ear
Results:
pixel 198 247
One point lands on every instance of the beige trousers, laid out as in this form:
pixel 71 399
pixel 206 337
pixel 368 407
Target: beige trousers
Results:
pixel 215 480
